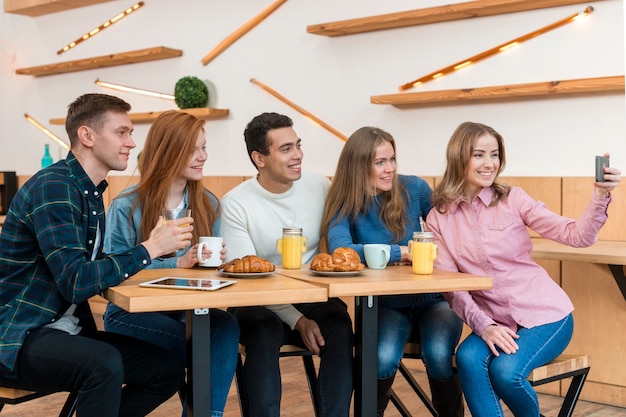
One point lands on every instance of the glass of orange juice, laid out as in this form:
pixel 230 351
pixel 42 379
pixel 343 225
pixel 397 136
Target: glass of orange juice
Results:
pixel 424 252
pixel 291 246
pixel 173 214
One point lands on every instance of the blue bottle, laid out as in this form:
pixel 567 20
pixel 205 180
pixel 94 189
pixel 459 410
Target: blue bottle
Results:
pixel 47 159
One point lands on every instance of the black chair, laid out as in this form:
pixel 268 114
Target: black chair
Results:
pixel 18 396
pixel 285 351
pixel 412 350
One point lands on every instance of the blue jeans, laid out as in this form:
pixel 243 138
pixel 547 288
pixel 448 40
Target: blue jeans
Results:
pixel 168 331
pixel 434 325
pixel 487 378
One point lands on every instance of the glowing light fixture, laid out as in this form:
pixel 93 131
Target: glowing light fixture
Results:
pixel 47 132
pixel 302 111
pixel 119 87
pixel 100 28
pixel 500 48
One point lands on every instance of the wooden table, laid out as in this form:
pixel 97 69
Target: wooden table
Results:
pixel 275 289
pixel 609 252
pixel 366 288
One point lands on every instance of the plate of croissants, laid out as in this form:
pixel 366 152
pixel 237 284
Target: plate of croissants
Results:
pixel 250 266
pixel 342 262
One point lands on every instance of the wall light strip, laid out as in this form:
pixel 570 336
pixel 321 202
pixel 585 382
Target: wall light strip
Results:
pixel 103 26
pixel 245 28
pixel 302 111
pixel 500 48
pixel 47 132
pixel 118 87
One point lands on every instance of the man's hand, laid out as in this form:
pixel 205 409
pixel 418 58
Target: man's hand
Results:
pixel 500 337
pixel 169 237
pixel 310 334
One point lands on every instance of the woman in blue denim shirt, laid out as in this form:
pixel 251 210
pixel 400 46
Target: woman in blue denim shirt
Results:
pixel 171 177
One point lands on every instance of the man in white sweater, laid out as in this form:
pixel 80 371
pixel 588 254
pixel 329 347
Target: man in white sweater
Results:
pixel 253 217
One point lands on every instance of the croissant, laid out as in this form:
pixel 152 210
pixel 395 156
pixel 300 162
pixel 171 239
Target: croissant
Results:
pixel 342 260
pixel 249 263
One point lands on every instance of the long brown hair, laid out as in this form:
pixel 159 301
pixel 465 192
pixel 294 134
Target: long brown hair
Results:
pixel 458 154
pixel 350 190
pixel 170 142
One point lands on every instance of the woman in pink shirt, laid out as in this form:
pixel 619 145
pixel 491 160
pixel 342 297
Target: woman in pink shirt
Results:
pixel 480 225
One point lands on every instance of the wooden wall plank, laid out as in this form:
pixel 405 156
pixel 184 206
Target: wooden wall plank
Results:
pixel 122 58
pixel 576 195
pixel 205 113
pixel 606 85
pixel 600 309
pixel 41 7
pixel 429 15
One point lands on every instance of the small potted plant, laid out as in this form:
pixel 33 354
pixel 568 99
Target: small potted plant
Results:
pixel 191 92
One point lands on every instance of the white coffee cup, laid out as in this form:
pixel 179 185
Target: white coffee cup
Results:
pixel 214 244
pixel 377 255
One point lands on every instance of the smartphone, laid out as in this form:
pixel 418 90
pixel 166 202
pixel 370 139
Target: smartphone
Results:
pixel 601 162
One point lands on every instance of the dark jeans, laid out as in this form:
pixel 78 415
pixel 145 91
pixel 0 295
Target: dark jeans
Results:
pixel 263 333
pixel 96 365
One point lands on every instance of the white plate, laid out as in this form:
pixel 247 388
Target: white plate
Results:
pixel 244 274
pixel 336 274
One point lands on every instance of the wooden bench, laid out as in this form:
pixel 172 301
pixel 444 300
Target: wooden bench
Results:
pixel 17 396
pixel 564 366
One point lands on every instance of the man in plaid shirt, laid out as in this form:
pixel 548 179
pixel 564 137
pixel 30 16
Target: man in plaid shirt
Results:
pixel 51 263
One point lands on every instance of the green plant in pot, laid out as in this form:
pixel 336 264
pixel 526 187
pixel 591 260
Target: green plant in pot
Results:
pixel 191 92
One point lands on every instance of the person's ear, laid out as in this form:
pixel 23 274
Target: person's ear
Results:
pixel 259 159
pixel 85 136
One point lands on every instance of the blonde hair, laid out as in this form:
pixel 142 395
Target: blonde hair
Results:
pixel 350 191
pixel 458 154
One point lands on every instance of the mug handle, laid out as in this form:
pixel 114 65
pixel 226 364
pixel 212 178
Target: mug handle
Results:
pixel 387 255
pixel 305 244
pixel 279 245
pixel 434 252
pixel 200 246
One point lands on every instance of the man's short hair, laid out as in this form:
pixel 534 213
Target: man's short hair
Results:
pixel 90 110
pixel 255 133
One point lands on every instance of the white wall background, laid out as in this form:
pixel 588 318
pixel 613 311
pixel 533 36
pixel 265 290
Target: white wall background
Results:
pixel 331 77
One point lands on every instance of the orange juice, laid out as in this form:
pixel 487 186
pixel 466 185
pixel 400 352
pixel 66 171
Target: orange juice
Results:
pixel 291 246
pixel 424 252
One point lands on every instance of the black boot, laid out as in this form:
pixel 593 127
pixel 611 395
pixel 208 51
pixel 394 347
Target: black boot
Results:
pixel 447 396
pixel 383 394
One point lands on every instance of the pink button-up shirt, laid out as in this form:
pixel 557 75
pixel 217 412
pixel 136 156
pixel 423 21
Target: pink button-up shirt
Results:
pixel 493 241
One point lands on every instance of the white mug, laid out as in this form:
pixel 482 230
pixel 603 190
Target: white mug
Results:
pixel 377 255
pixel 214 244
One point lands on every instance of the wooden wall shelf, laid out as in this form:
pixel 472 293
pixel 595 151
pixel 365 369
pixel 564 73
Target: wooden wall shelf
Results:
pixel 504 92
pixel 40 7
pixel 123 58
pixel 432 15
pixel 205 113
